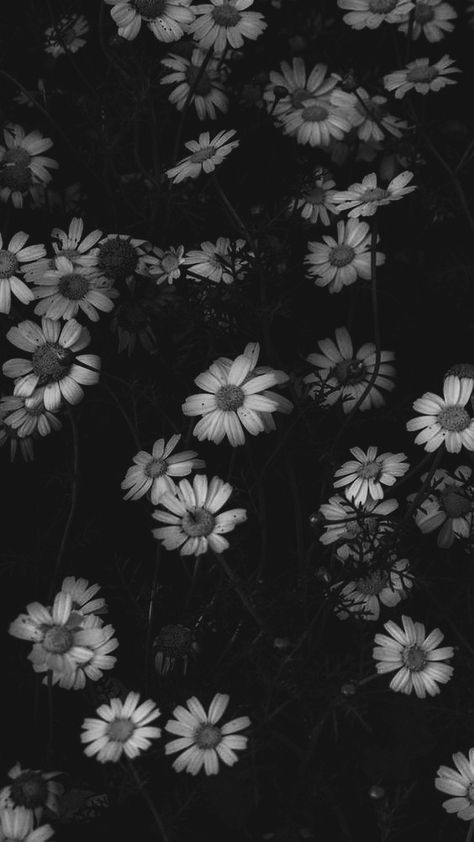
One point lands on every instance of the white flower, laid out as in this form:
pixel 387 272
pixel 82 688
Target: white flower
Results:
pixel 372 13
pixel 66 36
pixel 300 88
pixel 152 472
pixel 232 400
pixel 338 263
pixel 81 594
pixel 67 289
pixel 200 740
pixel 122 727
pixel 415 656
pixel 206 155
pixel 368 473
pixel 458 783
pixel 208 97
pixel 320 119
pixel 166 19
pixel 225 22
pixel 8 435
pixel 364 199
pixel 17 826
pixel 374 120
pixel 355 528
pixel 53 367
pixel 224 261
pixel 421 76
pixel 168 267
pixel 194 525
pixel 364 596
pixel 22 166
pixel 14 260
pixel 78 249
pixel 432 18
pixel 32 789
pixel 315 202
pixel 28 416
pixel 343 375
pixel 449 505
pixel 445 420
pixel 100 643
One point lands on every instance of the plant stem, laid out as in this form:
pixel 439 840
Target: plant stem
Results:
pixel 147 798
pixel 187 103
pixel 72 508
pixel 151 610
pixel 245 600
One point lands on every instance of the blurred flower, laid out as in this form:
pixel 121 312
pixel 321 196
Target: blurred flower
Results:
pixel 201 742
pixel 14 260
pixel 17 826
pixel 206 155
pixel 122 727
pixel 421 76
pixel 225 22
pixel 355 527
pixel 208 95
pixel 173 643
pixel 10 434
pixel 449 505
pixel 81 594
pixel 166 19
pixel 168 267
pixel 373 119
pixel 66 35
pixel 22 166
pixel 445 420
pixel 79 250
pixel 96 657
pixel 372 13
pixel 432 18
pixel 336 264
pixel 315 203
pixel 152 472
pixel 290 89
pixel 28 416
pixel 32 789
pixel 368 473
pixel 458 783
pixel 364 596
pixel 224 260
pixel 66 289
pixel 364 199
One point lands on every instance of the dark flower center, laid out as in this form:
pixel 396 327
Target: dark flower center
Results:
pixel 117 259
pixel 350 371
pixel 203 155
pixel 382 7
pixel 51 361
pixel 414 658
pixel 15 172
pixel 314 114
pixel 375 194
pixel 156 468
pixel 454 419
pixel 422 74
pixel 198 523
pixel 120 730
pixel 315 196
pixel 455 502
pixel 370 470
pixel 461 370
pixel 174 641
pixel 226 15
pixel 73 286
pixel 229 398
pixel 8 263
pixel 150 9
pixel 203 87
pixel 423 13
pixel 341 255
pixel 58 639
pixel 29 790
pixel 169 263
pixel 208 736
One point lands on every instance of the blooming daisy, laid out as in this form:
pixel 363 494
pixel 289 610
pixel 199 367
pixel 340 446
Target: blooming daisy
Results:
pixel 291 88
pixel 458 783
pixel 319 120
pixel 206 155
pixel 153 472
pixel 421 76
pixel 445 420
pixel 364 199
pixel 336 264
pixel 315 203
pixel 67 289
pixel 373 119
pixel 208 95
pixel 225 22
pixel 224 261
pixel 166 19
pixel 169 264
pixel 16 825
pixel 22 166
pixel 355 527
pixel 31 789
pixel 28 416
pixel 449 505
pixel 364 477
pixel 73 245
pixel 379 586
pixel 101 642
pixel 371 14
pixel 201 742
pixel 432 18
pixel 343 375
pixel 415 656
pixel 55 366
pixel 82 594
pixel 232 400
pixel 193 523
pixel 14 260
pixel 120 256
pixel 66 36
pixel 122 727
pixel 173 643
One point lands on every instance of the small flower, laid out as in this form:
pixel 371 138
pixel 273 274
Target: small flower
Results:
pixel 338 263
pixel 374 120
pixel 122 727
pixel 72 244
pixel 9 434
pixel 67 289
pixel 415 656
pixel 100 643
pixel 28 416
pixel 81 594
pixel 152 472
pixel 168 267
pixel 194 525
pixel 17 826
pixel 315 203
pixel 66 36
pixel 206 155
pixel 379 586
pixel 371 14
pixel 208 95
pixel 320 119
pixel 14 260
pixel 445 420
pixel 421 76
pixel 166 19
pixel 343 375
pixel 173 643
pixel 225 22
pixel 449 506
pixel 368 473
pixel 119 257
pixel 22 166
pixel 201 742
pixel 224 261
pixel 458 783
pixel 432 18
pixel 364 199
pixel 32 790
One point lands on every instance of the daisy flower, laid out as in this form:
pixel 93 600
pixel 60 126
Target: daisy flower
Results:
pixel 201 742
pixel 23 167
pixel 168 267
pixel 364 596
pixel 373 119
pixel 28 416
pixel 119 257
pixel 55 366
pixel 449 505
pixel 166 19
pixel 319 120
pixel 173 643
pixel 432 18
pixel 206 155
pixel 341 374
pixel 101 642
pixel 17 826
pixel 315 203
pixel 122 727
pixel 193 523
pixel 364 199
pixel 225 22
pixel 445 420
pixel 355 527
pixel 208 95
pixel 224 261
pixel 414 656
pixel 364 477
pixel 371 14
pixel 153 472
pixel 459 783
pixel 336 264
pixel 14 259
pixel 300 87
pixel 231 400
pixel 421 76
pixel 31 789
pixel 66 36
pixel 72 244
pixel 82 594
pixel 67 289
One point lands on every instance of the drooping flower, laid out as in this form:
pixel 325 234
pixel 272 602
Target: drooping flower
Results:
pixel 364 477
pixel 23 167
pixel 445 420
pixel 66 36
pixel 364 199
pixel 16 825
pixel 206 155
pixel 208 96
pixel 15 260
pixel 374 120
pixel 371 14
pixel 153 472
pixel 459 783
pixel 432 18
pixel 449 504
pixel 123 727
pixel 421 76
pixel 166 19
pixel 338 263
pixel 225 22
pixel 28 416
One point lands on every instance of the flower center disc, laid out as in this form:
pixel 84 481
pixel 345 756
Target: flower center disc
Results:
pixel 229 398
pixel 29 790
pixel 455 503
pixel 156 468
pixel 120 730
pixel 73 286
pixel 117 259
pixel 314 114
pixel 169 263
pixel 208 736
pixel 454 418
pixel 203 87
pixel 203 154
pixel 414 658
pixel 150 9
pixel 372 469
pixel 423 13
pixel 8 263
pixel 315 196
pixel 375 195
pixel 422 74
pixel 350 371
pixel 174 640
pixel 58 639
pixel 50 362
pixel 382 7
pixel 226 15
pixel 14 170
pixel 198 523
pixel 341 255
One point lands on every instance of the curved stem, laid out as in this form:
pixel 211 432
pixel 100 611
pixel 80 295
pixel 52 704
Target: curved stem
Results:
pixel 72 508
pixel 147 798
pixel 245 600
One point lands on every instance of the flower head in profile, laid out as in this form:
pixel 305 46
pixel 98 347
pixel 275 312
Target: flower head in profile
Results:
pixel 208 95
pixel 122 728
pixel 15 259
pixel 421 76
pixel 459 784
pixel 201 741
pixel 28 416
pixel 224 261
pixel 432 18
pixel 415 657
pixel 67 289
pixel 225 23
pixel 445 420
pixel 315 201
pixel 16 825
pixel 338 263
pixel 66 36
pixel 364 477
pixel 23 167
pixel 365 198
pixel 153 472
pixel 371 14
pixel 448 506
pixel 206 155
pixel 167 20
pixel 31 789
pixel 194 525
pixel 364 597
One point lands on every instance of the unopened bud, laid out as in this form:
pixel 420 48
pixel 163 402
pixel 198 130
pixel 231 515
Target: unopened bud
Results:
pixel 348 689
